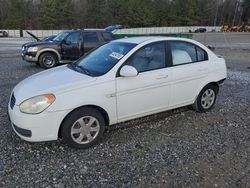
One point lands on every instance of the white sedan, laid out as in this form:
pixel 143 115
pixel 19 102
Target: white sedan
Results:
pixel 122 80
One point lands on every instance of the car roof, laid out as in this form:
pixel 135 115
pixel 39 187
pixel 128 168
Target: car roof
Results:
pixel 74 30
pixel 138 40
pixel 148 39
pixel 91 29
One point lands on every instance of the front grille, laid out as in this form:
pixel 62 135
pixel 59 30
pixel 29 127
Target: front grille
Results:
pixel 23 132
pixel 12 101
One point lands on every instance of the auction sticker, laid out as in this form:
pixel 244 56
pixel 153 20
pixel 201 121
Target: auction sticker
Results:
pixel 116 55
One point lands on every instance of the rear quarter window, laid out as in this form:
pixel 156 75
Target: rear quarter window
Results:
pixel 201 54
pixel 107 37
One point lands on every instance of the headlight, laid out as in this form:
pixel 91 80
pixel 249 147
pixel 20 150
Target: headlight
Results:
pixel 38 104
pixel 32 49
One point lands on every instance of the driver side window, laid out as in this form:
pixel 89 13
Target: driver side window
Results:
pixel 73 38
pixel 149 58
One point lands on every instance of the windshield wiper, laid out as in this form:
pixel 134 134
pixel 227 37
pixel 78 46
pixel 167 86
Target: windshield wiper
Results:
pixel 78 68
pixel 85 71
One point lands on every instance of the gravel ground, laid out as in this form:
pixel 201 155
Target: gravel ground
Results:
pixel 178 148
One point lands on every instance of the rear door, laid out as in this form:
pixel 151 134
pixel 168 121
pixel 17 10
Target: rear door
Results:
pixel 91 40
pixel 71 46
pixel 190 69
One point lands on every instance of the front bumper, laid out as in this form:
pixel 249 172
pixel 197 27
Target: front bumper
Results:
pixel 23 132
pixel 36 127
pixel 29 56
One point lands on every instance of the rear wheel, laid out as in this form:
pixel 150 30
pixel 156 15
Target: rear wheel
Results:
pixel 206 98
pixel 48 60
pixel 83 128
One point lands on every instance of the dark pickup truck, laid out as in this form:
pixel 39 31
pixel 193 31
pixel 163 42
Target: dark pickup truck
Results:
pixel 66 47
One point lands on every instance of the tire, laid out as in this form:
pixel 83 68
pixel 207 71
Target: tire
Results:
pixel 48 60
pixel 206 98
pixel 77 133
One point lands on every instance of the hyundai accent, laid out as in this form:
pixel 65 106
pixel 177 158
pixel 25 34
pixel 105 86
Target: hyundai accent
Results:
pixel 119 81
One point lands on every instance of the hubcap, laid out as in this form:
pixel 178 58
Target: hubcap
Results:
pixel 208 98
pixel 48 61
pixel 85 130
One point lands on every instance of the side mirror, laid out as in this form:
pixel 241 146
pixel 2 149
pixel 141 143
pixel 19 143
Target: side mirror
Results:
pixel 63 41
pixel 128 71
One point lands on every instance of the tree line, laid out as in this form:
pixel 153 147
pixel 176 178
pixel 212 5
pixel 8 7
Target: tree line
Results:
pixel 64 14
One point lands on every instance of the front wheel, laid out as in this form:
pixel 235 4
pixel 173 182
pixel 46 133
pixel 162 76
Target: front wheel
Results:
pixel 206 98
pixel 48 60
pixel 83 128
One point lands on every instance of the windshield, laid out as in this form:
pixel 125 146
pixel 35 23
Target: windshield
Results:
pixel 103 59
pixel 61 36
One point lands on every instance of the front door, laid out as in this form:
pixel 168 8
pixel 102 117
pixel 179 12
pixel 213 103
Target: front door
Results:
pixel 71 46
pixel 148 92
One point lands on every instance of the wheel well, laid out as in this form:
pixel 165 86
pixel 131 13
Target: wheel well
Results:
pixel 101 110
pixel 215 84
pixel 48 52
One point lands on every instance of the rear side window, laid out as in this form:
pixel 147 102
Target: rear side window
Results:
pixel 90 37
pixel 184 52
pixel 107 37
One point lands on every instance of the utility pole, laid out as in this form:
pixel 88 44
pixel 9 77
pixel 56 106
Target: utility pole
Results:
pixel 216 13
pixel 241 13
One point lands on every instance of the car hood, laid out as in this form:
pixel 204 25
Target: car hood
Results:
pixel 57 80
pixel 40 43
pixel 32 35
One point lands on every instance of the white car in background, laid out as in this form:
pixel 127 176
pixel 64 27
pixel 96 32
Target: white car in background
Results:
pixel 122 80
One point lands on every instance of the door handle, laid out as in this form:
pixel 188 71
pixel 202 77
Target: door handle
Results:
pixel 162 77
